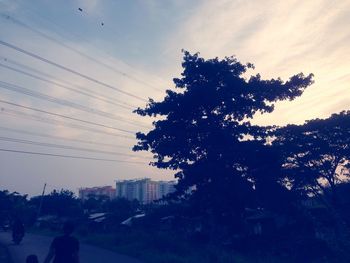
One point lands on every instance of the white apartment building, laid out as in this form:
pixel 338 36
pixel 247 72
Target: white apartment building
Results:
pixel 144 190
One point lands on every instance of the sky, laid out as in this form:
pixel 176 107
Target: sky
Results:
pixel 106 58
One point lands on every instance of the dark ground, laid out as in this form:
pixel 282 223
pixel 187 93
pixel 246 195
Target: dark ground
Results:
pixel 39 245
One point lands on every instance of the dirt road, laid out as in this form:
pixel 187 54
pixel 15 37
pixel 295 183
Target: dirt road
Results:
pixel 39 245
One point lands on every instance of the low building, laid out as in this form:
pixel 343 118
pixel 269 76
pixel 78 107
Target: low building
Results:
pixel 101 191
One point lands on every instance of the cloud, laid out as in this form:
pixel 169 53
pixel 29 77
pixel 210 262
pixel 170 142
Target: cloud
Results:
pixel 64 56
pixel 281 38
pixel 8 6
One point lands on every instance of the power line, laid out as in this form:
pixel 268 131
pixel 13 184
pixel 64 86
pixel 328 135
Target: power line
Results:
pixel 15 113
pixel 22 24
pixel 88 93
pixel 50 77
pixel 63 102
pixel 20 65
pixel 69 156
pixel 75 35
pixel 38 95
pixel 66 117
pixel 69 70
pixel 62 138
pixel 67 147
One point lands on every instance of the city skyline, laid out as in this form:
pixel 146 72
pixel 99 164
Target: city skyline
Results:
pixel 145 190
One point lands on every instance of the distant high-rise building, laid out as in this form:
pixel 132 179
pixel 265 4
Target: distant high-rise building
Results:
pixel 85 193
pixel 144 190
pixel 166 187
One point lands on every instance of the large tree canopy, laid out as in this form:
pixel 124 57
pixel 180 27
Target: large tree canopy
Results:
pixel 204 130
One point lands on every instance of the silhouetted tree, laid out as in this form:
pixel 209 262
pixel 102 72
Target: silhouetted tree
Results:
pixel 6 204
pixel 96 203
pixel 317 154
pixel 343 191
pixel 204 131
pixel 266 173
pixel 13 205
pixel 120 209
pixel 316 162
pixel 61 203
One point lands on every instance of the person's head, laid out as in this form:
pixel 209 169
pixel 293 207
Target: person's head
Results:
pixel 32 259
pixel 68 228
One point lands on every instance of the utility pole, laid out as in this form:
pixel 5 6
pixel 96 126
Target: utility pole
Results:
pixel 41 201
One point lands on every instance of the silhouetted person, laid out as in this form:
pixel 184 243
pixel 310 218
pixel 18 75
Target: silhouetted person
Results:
pixel 32 259
pixel 64 249
pixel 17 230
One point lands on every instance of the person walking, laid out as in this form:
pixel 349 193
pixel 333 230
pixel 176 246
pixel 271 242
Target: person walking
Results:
pixel 65 248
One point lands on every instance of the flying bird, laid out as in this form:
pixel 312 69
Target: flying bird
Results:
pixel 80 9
pixel 102 24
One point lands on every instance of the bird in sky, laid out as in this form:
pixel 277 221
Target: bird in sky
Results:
pixel 81 10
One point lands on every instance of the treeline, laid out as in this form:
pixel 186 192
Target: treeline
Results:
pixel 261 190
pixel 53 209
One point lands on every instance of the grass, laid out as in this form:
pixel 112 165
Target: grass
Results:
pixel 156 249
pixel 161 247
pixel 164 247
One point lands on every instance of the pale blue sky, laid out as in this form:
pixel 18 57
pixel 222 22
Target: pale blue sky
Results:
pixel 143 39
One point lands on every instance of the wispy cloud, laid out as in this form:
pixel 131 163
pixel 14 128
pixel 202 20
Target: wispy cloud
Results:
pixel 281 38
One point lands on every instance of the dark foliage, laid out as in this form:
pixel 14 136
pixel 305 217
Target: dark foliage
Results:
pixel 61 203
pixel 317 154
pixel 204 132
pixel 96 203
pixel 119 210
pixel 14 205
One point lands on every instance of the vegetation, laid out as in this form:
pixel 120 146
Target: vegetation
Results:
pixel 59 203
pixel 274 193
pixel 205 133
pixel 237 179
pixel 167 247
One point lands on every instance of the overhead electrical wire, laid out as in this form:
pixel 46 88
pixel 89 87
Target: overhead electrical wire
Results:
pixel 63 102
pixel 40 72
pixel 70 156
pixel 67 84
pixel 26 116
pixel 84 92
pixel 66 117
pixel 66 147
pixel 49 98
pixel 80 38
pixel 74 140
pixel 28 53
pixel 39 95
pixel 44 35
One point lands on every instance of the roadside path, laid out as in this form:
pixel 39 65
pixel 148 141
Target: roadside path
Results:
pixel 39 245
